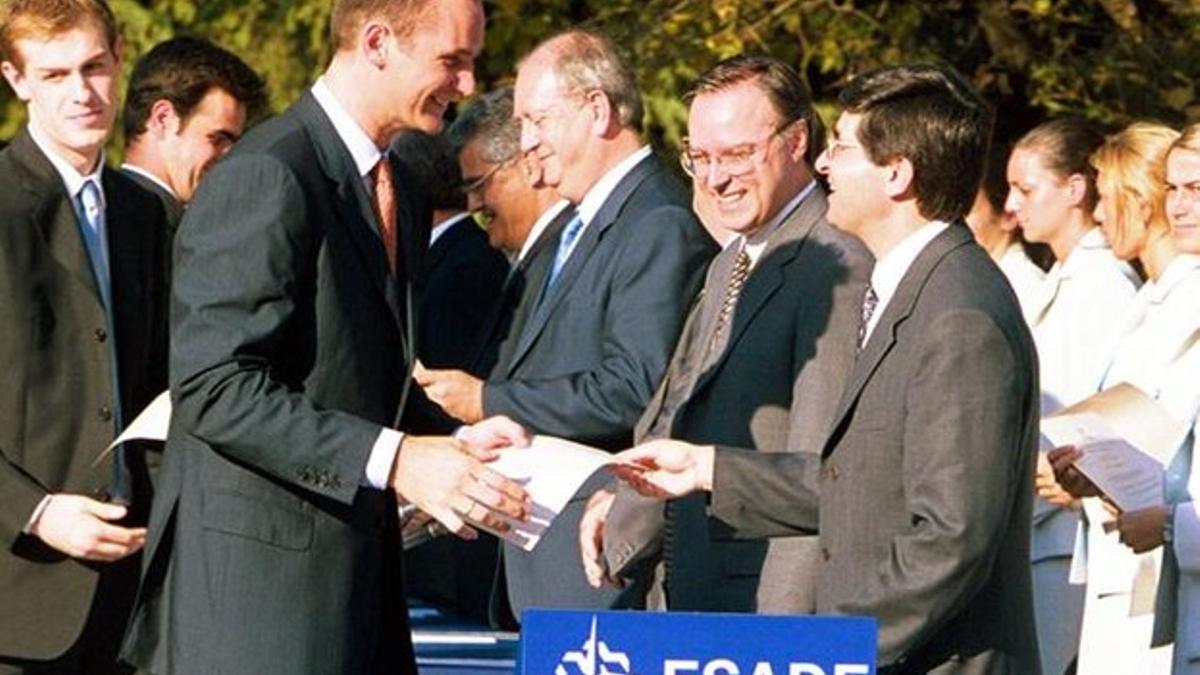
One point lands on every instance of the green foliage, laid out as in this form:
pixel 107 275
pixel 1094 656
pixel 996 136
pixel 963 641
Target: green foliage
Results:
pixel 1110 60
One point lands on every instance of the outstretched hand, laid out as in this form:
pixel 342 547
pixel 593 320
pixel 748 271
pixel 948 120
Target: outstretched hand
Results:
pixel 665 468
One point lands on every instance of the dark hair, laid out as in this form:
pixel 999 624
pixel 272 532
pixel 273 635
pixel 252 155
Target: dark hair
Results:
pixel 489 119
pixel 932 117
pixel 584 61
pixel 781 84
pixel 43 19
pixel 995 176
pixel 182 71
pixel 433 165
pixel 1065 146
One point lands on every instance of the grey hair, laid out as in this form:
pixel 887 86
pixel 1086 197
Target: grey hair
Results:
pixel 489 120
pixel 587 61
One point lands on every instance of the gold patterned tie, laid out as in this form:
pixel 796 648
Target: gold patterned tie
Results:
pixel 384 203
pixel 737 279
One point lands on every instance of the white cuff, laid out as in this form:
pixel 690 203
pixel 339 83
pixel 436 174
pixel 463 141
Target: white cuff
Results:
pixel 37 513
pixel 383 456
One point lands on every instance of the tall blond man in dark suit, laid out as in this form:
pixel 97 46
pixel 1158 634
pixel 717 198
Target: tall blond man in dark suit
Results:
pixel 83 346
pixel 274 542
pixel 920 490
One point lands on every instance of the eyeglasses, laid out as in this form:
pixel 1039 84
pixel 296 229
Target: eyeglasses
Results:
pixel 736 161
pixel 478 184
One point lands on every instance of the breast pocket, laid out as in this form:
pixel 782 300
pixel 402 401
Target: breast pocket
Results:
pixel 248 517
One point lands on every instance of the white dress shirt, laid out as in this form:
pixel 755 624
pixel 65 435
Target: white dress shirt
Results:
pixel 444 226
pixel 755 244
pixel 1025 277
pixel 134 168
pixel 600 191
pixel 539 226
pixel 892 266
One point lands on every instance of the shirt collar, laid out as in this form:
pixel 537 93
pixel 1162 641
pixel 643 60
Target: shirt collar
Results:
pixel 444 226
pixel 891 268
pixel 71 178
pixel 756 243
pixel 134 168
pixel 590 205
pixel 1178 271
pixel 364 151
pixel 540 226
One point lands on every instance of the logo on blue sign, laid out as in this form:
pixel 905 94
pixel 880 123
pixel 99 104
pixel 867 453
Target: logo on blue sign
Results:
pixel 653 643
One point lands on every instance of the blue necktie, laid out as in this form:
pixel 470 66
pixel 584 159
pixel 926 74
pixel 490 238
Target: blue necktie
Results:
pixel 566 241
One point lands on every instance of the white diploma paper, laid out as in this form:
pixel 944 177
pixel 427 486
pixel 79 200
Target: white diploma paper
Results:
pixel 551 470
pixel 150 425
pixel 1126 438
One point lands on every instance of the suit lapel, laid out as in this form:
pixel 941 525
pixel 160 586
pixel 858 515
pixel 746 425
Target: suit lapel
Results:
pixel 898 309
pixel 591 237
pixel 351 203
pixel 55 213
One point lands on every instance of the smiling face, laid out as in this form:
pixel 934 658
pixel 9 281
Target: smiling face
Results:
pixel 1183 198
pixel 500 194
pixel 555 129
pixel 858 194
pixel 191 147
pixel 738 126
pixel 434 65
pixel 69 83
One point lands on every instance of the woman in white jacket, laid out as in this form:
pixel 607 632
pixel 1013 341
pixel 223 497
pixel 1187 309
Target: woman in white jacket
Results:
pixel 1052 193
pixel 1176 527
pixel 1118 611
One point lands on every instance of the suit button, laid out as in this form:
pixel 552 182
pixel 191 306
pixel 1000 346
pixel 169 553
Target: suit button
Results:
pixel 825 554
pixel 101 335
pixel 104 413
pixel 833 472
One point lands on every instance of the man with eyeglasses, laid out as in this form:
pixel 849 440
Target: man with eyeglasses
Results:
pixel 763 356
pixel 610 309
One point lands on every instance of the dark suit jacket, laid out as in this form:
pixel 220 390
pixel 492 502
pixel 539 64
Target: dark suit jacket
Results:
pixel 518 298
pixel 773 388
pixel 592 351
pixel 56 404
pixel 172 207
pixel 289 354
pixel 922 492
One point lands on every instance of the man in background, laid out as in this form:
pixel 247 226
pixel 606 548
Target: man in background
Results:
pixel 83 346
pixel 187 103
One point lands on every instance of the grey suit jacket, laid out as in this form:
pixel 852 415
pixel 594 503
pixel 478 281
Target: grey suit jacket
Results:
pixel 922 490
pixel 57 403
pixel 590 354
pixel 289 353
pixel 773 388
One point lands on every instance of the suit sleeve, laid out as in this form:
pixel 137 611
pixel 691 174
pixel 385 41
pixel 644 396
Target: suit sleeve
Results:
pixel 245 269
pixel 658 270
pixel 633 534
pixel 962 470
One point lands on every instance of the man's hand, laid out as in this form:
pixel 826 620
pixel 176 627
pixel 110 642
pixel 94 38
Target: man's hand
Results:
pixel 666 469
pixel 82 528
pixel 1059 482
pixel 1142 530
pixel 456 392
pixel 448 480
pixel 494 432
pixel 591 538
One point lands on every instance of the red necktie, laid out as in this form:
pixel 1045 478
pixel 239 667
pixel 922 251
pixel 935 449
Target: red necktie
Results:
pixel 384 204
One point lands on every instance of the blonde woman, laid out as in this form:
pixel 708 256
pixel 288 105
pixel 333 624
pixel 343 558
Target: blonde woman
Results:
pixel 1117 620
pixel 1052 194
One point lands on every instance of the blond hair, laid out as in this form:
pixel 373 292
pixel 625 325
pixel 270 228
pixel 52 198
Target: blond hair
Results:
pixel 44 19
pixel 1132 173
pixel 1189 139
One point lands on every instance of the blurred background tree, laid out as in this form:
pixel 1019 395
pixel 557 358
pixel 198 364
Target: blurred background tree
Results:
pixel 1109 60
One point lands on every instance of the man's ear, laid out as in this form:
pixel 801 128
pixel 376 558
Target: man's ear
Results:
pixel 16 80
pixel 602 112
pixel 375 43
pixel 798 140
pixel 163 119
pixel 900 179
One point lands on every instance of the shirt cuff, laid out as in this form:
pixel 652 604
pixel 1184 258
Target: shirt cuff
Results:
pixel 383 456
pixel 37 514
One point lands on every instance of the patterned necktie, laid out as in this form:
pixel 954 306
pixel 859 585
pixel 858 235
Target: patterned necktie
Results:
pixel 384 203
pixel 566 242
pixel 737 280
pixel 869 303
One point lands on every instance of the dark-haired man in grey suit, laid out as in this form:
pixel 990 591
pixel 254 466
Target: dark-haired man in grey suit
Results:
pixel 921 490
pixel 765 352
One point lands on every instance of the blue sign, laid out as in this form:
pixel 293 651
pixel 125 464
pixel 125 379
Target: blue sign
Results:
pixel 557 642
